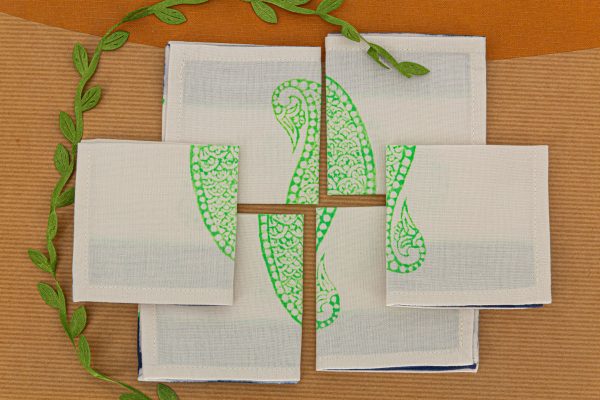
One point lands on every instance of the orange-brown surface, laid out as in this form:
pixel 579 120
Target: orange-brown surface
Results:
pixel 531 354
pixel 514 28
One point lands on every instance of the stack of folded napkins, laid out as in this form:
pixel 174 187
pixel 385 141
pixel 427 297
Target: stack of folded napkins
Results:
pixel 465 225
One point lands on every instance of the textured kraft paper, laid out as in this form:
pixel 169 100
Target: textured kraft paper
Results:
pixel 545 353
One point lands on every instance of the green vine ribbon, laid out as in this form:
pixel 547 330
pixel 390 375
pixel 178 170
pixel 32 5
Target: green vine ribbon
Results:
pixel 73 129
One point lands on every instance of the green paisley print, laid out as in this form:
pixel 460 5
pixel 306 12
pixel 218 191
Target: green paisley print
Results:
pixel 281 240
pixel 328 298
pixel 351 170
pixel 214 174
pixel 297 108
pixel 350 163
pixel 405 245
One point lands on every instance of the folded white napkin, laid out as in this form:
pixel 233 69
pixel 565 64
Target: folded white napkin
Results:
pixel 369 107
pixel 256 339
pixel 265 99
pixel 356 331
pixel 155 222
pixel 467 226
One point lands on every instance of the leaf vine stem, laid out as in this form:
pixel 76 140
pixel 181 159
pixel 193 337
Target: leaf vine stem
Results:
pixel 64 162
pixel 72 130
pixel 380 55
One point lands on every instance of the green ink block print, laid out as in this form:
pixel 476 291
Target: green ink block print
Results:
pixel 405 245
pixel 281 239
pixel 350 162
pixel 214 174
pixel 297 108
pixel 328 298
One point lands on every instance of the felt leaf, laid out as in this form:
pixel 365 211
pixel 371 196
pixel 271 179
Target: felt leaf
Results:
pixel 137 14
pixel 80 58
pixel 297 2
pixel 327 6
pixel 62 303
pixel 78 321
pixel 264 11
pixel 48 294
pixel 375 56
pixel 61 159
pixel 52 225
pixel 385 54
pixel 91 98
pixel 115 40
pixel 66 198
pixel 166 393
pixel 132 396
pixel 410 68
pixel 67 127
pixel 170 16
pixel 350 32
pixel 83 352
pixel 39 260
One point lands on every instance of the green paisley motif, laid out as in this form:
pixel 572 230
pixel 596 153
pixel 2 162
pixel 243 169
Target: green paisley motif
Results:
pixel 351 170
pixel 328 298
pixel 281 239
pixel 350 162
pixel 214 173
pixel 405 245
pixel 296 105
pixel 324 219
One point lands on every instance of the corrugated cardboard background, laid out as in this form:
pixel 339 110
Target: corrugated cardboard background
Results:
pixel 549 353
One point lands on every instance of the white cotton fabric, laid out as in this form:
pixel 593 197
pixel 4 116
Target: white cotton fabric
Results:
pixel 139 236
pixel 253 340
pixel 368 335
pixel 483 214
pixel 446 106
pixel 219 93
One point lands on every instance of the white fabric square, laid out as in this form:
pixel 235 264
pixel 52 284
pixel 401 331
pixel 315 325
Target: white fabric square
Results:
pixel 369 107
pixel 356 331
pixel 155 222
pixel 266 99
pixel 467 226
pixel 258 338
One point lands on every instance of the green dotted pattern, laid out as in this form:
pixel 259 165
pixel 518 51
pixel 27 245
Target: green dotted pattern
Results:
pixel 350 162
pixel 351 171
pixel 281 239
pixel 328 299
pixel 297 108
pixel 214 173
pixel 324 219
pixel 405 245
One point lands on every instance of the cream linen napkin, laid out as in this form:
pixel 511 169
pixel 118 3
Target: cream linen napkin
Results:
pixel 369 107
pixel 467 226
pixel 356 331
pixel 155 222
pixel 266 99
pixel 258 338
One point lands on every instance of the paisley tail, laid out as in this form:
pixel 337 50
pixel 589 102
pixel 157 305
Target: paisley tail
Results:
pixel 404 235
pixel 328 299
